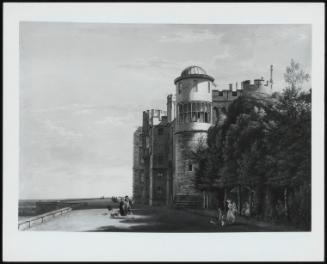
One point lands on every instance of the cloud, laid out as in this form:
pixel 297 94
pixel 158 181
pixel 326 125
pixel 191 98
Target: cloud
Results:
pixel 117 120
pixel 224 53
pixel 191 36
pixel 152 62
pixel 62 131
pixel 70 108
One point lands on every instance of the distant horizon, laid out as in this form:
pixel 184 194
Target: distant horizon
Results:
pixel 74 198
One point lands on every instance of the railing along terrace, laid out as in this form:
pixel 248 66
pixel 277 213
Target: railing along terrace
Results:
pixel 28 223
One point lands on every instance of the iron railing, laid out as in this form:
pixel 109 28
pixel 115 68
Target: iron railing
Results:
pixel 24 223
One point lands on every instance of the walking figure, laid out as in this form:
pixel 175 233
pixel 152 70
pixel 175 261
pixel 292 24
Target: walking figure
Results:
pixel 231 212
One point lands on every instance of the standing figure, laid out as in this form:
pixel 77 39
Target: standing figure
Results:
pixel 230 213
pixel 127 206
pixel 234 208
pixel 246 209
pixel 220 221
pixel 121 207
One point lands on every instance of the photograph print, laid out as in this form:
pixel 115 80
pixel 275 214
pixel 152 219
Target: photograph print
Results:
pixel 164 127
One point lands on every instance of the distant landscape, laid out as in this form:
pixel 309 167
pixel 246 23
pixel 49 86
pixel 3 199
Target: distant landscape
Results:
pixel 32 207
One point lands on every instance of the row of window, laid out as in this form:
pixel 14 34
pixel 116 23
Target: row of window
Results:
pixel 194 112
pixel 194 117
pixel 193 107
pixel 194 88
pixel 221 93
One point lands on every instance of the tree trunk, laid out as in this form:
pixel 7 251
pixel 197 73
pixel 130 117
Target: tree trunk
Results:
pixel 239 199
pixel 204 199
pixel 250 202
pixel 285 202
pixel 268 203
pixel 225 198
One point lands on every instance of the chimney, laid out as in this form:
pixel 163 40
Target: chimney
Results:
pixel 169 107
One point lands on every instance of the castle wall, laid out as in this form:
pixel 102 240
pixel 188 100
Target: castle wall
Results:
pixel 138 168
pixel 169 137
pixel 159 165
pixel 193 119
pixel 184 181
pixel 221 101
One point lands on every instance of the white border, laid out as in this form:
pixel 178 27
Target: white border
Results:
pixel 58 246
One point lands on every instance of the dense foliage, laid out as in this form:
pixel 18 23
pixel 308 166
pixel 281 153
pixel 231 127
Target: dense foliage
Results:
pixel 264 145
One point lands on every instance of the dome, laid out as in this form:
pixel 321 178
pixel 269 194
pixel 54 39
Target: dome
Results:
pixel 194 72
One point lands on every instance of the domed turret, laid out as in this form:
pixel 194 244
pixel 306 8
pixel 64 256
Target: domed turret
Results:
pixel 193 72
pixel 193 119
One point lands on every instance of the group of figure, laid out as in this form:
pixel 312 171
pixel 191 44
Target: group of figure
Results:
pixel 125 206
pixel 228 216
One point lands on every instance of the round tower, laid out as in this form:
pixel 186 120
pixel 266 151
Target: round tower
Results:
pixel 193 119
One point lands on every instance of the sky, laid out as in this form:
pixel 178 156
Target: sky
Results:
pixel 83 87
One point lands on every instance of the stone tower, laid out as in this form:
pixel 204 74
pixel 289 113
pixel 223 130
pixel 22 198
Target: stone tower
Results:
pixel 193 119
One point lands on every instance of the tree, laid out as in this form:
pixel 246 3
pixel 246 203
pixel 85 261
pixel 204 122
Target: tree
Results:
pixel 295 76
pixel 264 144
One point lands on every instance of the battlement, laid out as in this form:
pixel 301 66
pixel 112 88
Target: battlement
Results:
pixel 225 95
pixel 153 116
pixel 258 86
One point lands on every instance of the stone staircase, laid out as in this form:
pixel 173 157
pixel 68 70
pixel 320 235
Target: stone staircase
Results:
pixel 187 201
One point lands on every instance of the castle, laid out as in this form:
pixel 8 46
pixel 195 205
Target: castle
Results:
pixel 163 172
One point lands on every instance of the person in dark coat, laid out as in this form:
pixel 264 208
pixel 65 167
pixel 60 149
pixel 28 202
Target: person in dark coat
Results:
pixel 121 207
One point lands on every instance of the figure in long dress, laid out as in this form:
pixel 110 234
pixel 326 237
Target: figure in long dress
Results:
pixel 247 209
pixel 230 213
pixel 234 209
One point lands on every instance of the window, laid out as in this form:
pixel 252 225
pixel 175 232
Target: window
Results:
pixel 160 131
pixel 184 108
pixel 234 93
pixel 208 87
pixel 160 159
pixel 194 112
pixel 195 84
pixel 142 177
pixel 190 167
pixel 220 93
pixel 159 192
pixel 160 174
pixel 194 119
pixel 180 86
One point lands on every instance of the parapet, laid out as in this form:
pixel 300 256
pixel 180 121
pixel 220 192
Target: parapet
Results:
pixel 258 87
pixel 154 116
